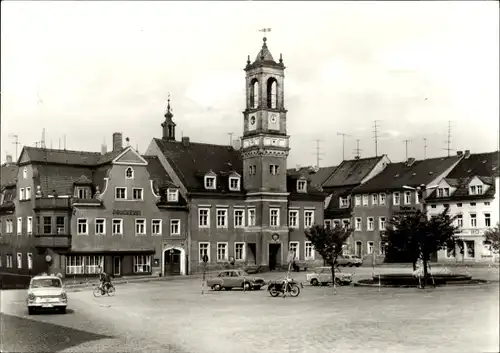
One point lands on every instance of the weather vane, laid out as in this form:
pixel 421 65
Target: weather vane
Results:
pixel 265 30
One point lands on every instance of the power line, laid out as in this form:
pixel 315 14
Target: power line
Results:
pixel 425 148
pixel 375 135
pixel 406 147
pixel 357 150
pixel 343 142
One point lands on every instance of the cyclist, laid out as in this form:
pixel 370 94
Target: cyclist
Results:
pixel 105 281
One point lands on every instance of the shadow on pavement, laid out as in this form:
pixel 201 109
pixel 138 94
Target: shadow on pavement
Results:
pixel 25 335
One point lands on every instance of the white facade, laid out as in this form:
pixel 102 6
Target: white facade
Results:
pixel 476 216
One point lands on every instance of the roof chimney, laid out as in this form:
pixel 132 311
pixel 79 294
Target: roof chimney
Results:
pixel 410 161
pixel 117 141
pixel 8 159
pixel 185 141
pixel 459 153
pixel 466 154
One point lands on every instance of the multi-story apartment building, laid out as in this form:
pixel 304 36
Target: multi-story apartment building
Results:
pixel 76 213
pixel 243 205
pixel 470 191
pixel 393 191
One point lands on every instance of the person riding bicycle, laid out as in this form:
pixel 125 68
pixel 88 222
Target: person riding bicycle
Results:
pixel 105 281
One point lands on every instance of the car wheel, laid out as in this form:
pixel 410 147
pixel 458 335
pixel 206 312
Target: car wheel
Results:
pixel 247 286
pixel 314 282
pixel 216 287
pixel 31 311
pixel 62 310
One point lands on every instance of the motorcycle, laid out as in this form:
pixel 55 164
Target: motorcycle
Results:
pixel 288 285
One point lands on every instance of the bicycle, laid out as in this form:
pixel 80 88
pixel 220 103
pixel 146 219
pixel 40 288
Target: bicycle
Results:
pixel 109 290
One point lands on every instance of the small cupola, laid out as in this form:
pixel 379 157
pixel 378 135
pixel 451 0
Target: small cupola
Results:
pixel 168 125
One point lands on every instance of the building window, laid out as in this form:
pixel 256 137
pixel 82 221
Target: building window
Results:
pixel 273 169
pixel 210 182
pixel 94 264
pixel 357 200
pixel 120 193
pixel 308 251
pixel 28 193
pixel 395 198
pixel 293 218
pixel 407 197
pixel 274 217
pixel 327 224
pixel 460 220
pixel 142 263
pixel 336 223
pixel 29 225
pixel 371 223
pixel 172 195
pixel 25 173
pixel 417 197
pixel 82 193
pixel 357 224
pixel 251 217
pixel 487 203
pixel 459 204
pixel 21 194
pixel 473 220
pixel 382 199
pixel 19 260
pixel 239 251
pixel 8 263
pixel 100 226
pixel 308 219
pixel 346 223
pixel 381 248
pixel 234 183
pixel 252 170
pixel 19 227
pixel 239 218
pixel 156 226
pixel 301 185
pixel 203 218
pixel 293 250
pixel 117 226
pixel 381 221
pixel 82 226
pixel 60 224
pixel 469 249
pixel 129 173
pixel 222 252
pixel 203 249
pixel 473 204
pixel 47 225
pixel 374 199
pixel 479 189
pixel 140 226
pixel 344 202
pixel 29 257
pixel 487 220
pixel 433 206
pixel 175 227
pixel 221 218
pixel 370 247
pixel 8 226
pixel 365 200
pixel 75 265
pixel 137 194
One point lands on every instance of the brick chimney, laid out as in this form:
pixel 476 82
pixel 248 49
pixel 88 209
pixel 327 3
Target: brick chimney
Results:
pixel 117 141
pixel 185 141
pixel 8 159
pixel 466 154
pixel 410 161
pixel 459 153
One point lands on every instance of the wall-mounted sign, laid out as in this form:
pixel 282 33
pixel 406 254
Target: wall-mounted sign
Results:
pixel 276 236
pixel 126 212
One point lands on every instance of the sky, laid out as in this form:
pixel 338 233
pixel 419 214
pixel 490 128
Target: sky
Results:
pixel 83 70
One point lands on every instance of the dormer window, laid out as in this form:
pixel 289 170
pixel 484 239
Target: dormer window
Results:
pixel 25 173
pixel 172 195
pixel 476 190
pixel 301 185
pixel 234 183
pixel 210 182
pixel 443 192
pixel 129 173
pixel 344 202
pixel 82 193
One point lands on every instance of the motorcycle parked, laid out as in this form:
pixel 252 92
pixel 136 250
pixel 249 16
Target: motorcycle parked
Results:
pixel 285 286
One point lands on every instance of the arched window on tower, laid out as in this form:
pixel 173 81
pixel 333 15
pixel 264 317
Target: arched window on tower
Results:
pixel 254 93
pixel 272 97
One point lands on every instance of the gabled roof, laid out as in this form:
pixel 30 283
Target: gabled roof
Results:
pixel 334 204
pixel 480 164
pixel 317 176
pixel 397 175
pixel 8 175
pixel 192 160
pixel 462 189
pixel 68 157
pixel 352 172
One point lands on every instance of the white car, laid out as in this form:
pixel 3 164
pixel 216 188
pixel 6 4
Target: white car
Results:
pixel 46 292
pixel 323 276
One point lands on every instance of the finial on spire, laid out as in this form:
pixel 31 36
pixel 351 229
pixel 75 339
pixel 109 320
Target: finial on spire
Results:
pixel 168 113
pixel 248 60
pixel 281 58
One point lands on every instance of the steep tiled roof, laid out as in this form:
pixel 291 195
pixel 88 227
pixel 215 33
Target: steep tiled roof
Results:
pixel 8 175
pixel 60 178
pixel 462 189
pixel 157 172
pixel 335 195
pixel 69 157
pixel 191 161
pixel 315 175
pixel 480 164
pixel 397 175
pixel 352 172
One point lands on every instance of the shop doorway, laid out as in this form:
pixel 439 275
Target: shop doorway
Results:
pixel 274 256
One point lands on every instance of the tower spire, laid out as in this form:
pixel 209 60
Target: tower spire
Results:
pixel 168 125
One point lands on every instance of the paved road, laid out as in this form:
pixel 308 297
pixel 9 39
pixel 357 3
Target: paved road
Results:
pixel 174 317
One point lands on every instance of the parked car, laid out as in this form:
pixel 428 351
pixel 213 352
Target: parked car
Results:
pixel 323 276
pixel 349 260
pixel 46 292
pixel 229 279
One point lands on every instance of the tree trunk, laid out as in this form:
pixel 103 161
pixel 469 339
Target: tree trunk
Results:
pixel 333 274
pixel 425 269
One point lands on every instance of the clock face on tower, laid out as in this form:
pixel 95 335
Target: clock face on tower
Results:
pixel 273 118
pixel 252 120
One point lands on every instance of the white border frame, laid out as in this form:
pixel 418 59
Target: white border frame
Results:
pixel 86 226
pixel 19 260
pixel 312 219
pixel 313 252
pixel 170 231
pixel 121 226
pixel 152 227
pixel 368 224
pixel 121 187
pixel 271 209
pixel 360 225
pixel 243 253
pixel 382 196
pixel 200 260
pixel 205 178
pixel 226 218
pixel 227 251
pixel 145 226
pixel 239 209
pixel 19 226
pixel 133 173
pixel 208 217
pixel 297 213
pixel 142 194
pixel 173 191
pixel 95 226
pixel 297 253
pixel 249 211
pixel 237 178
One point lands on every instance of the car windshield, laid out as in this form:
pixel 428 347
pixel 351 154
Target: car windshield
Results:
pixel 46 282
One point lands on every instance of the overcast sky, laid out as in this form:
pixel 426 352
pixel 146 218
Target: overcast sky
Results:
pixel 88 69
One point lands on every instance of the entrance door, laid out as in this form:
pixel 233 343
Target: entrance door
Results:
pixel 172 262
pixel 357 249
pixel 252 254
pixel 274 256
pixel 117 266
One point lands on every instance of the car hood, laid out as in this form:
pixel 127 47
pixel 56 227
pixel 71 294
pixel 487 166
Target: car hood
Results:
pixel 46 291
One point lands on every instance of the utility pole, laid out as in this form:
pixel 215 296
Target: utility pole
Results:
pixel 343 143
pixel 318 152
pixel 230 138
pixel 15 142
pixel 357 150
pixel 406 147
pixel 375 135
pixel 425 148
pixel 448 140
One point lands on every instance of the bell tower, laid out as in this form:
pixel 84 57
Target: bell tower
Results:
pixel 168 125
pixel 265 145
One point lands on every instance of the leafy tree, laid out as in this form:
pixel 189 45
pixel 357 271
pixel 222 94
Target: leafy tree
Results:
pixel 413 237
pixel 493 236
pixel 328 242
